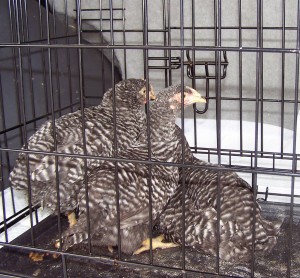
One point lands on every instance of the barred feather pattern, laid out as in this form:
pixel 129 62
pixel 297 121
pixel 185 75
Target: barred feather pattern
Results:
pixel 133 185
pixel 237 207
pixel 99 136
pixel 133 201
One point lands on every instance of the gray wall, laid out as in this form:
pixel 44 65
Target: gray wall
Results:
pixel 204 17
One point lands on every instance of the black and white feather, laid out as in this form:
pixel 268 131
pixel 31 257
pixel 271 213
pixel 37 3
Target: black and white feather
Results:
pixel 130 95
pixel 237 210
pixel 132 180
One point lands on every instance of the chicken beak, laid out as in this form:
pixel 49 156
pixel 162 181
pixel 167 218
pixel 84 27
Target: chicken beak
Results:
pixel 152 95
pixel 195 97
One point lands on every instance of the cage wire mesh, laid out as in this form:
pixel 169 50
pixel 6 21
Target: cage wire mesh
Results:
pixel 60 56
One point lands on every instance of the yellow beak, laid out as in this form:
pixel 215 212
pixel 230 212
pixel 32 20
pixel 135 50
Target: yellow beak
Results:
pixel 195 97
pixel 152 95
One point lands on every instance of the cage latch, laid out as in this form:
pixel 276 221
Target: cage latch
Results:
pixel 209 67
pixel 266 194
pixel 198 69
pixel 169 62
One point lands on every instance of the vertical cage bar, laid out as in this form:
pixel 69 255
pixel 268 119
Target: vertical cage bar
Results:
pixel 240 76
pixel 82 107
pixel 101 41
pixel 64 265
pixel 294 160
pixel 3 198
pixel 66 21
pixel 1 162
pixel 294 170
pixel 218 42
pixel 261 79
pixel 57 77
pixel 21 24
pixel 115 143
pixel 165 18
pixel 3 124
pixel 124 38
pixel 23 119
pixel 146 75
pixel 282 77
pixel 258 94
pixel 52 109
pixel 14 31
pixel 183 266
pixel 32 97
pixel 43 51
pixel 194 78
pixel 169 83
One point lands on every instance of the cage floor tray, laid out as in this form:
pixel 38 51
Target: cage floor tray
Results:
pixel 273 265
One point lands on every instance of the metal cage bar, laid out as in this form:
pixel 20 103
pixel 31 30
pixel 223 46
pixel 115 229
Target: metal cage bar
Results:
pixel 178 63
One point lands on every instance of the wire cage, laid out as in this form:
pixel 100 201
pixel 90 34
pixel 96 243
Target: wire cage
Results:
pixel 60 56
